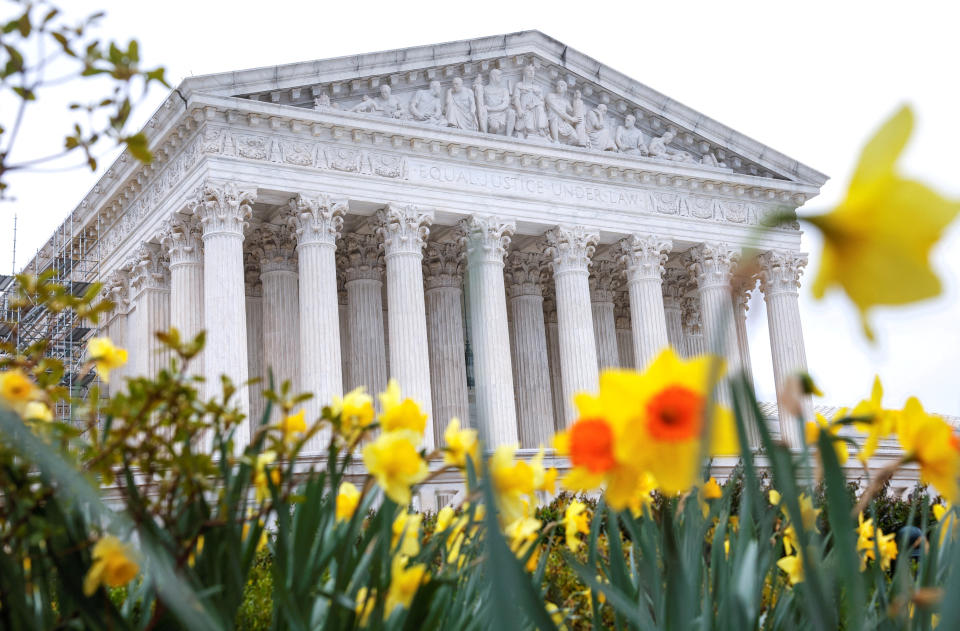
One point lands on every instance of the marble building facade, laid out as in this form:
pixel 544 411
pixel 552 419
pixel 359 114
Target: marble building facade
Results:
pixel 491 222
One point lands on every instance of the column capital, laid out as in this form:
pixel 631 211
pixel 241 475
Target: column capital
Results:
pixel 780 271
pixel 525 274
pixel 223 208
pixel 570 248
pixel 674 287
pixel 116 289
pixel 316 218
pixel 275 248
pixel 742 287
pixel 712 264
pixel 443 265
pixel 644 256
pixel 605 277
pixel 361 258
pixel 182 239
pixel 692 322
pixel 486 236
pixel 148 269
pixel 403 228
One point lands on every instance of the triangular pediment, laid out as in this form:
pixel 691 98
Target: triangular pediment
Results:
pixel 397 84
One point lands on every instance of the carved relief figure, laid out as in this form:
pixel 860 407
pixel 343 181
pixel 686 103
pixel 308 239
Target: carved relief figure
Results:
pixel 710 160
pixel 598 133
pixel 560 116
pixel 531 117
pixel 579 111
pixel 427 105
pixel 493 105
pixel 322 102
pixel 461 108
pixel 659 149
pixel 629 138
pixel 384 104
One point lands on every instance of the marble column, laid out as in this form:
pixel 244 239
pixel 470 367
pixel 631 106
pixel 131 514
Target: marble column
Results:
pixel 343 313
pixel 150 311
pixel 621 311
pixel 529 343
pixel 116 289
pixel 254 312
pixel 604 281
pixel 317 220
pixel 742 288
pixel 223 210
pixel 674 281
pixel 404 230
pixel 570 249
pixel 643 256
pixel 553 355
pixel 182 241
pixel 693 342
pixel 486 240
pixel 443 280
pixel 364 286
pixel 779 281
pixel 275 250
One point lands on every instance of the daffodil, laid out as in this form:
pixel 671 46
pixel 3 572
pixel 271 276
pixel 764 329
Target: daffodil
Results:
pixel 348 497
pixel 37 411
pixel 260 480
pixel 356 413
pixel 16 389
pixel 113 565
pixel 879 422
pixel 460 444
pixel 513 482
pixel 821 424
pixel 869 539
pixel 930 441
pixel 105 356
pixel 363 607
pixel 404 583
pixel 406 533
pixel 944 514
pixel 293 426
pixel 576 521
pixel 877 242
pixel 396 464
pixel 544 479
pixel 712 490
pixel 522 533
pixel 447 520
pixel 399 412
pixel 792 565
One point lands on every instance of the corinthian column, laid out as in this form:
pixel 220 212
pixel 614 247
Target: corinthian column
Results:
pixel 150 298
pixel 570 249
pixel 443 276
pixel 363 269
pixel 742 287
pixel 182 241
pixel 644 256
pixel 621 311
pixel 404 230
pixel 673 289
pixel 693 343
pixel 223 210
pixel 281 307
pixel 604 280
pixel 553 354
pixel 317 221
pixel 254 291
pixel 486 240
pixel 779 281
pixel 529 342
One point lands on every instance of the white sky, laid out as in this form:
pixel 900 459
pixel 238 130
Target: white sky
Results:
pixel 811 80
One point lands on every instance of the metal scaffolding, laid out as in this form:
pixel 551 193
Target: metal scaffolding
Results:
pixel 72 255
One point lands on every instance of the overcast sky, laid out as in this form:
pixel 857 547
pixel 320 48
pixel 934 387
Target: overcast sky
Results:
pixel 812 81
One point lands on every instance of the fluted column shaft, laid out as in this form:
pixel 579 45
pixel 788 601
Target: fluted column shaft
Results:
pixel 535 416
pixel 223 211
pixel 644 256
pixel 693 342
pixel 553 358
pixel 486 240
pixel 741 304
pixel 255 357
pixel 443 274
pixel 404 230
pixel 182 241
pixel 364 287
pixel 570 249
pixel 150 299
pixel 673 288
pixel 604 280
pixel 281 324
pixel 779 281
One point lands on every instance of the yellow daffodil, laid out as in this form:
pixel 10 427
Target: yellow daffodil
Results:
pixel 870 537
pixel 712 490
pixel 197 549
pixel 576 521
pixel 931 442
pixel 877 242
pixel 400 413
pixel 460 443
pixel 513 482
pixel 880 424
pixel 808 514
pixel 113 565
pixel 522 533
pixel 37 411
pixel 447 520
pixel 651 422
pixel 348 497
pixel 406 533
pixel 16 389
pixel 404 583
pixel 945 515
pixel 556 614
pixel 543 479
pixel 396 464
pixel 364 605
pixel 356 413
pixel 792 565
pixel 774 497
pixel 642 497
pixel 814 428
pixel 105 356
pixel 260 474
pixel 293 426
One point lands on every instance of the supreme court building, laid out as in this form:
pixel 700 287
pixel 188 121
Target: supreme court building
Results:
pixel 491 222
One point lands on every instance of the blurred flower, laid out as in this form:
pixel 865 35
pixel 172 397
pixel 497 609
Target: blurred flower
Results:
pixel 712 490
pixel 880 424
pixel 556 614
pixel 37 411
pixel 455 538
pixel 522 533
pixel 394 461
pixel 512 481
pixel 348 497
pixel 930 441
pixel 576 520
pixel 792 565
pixel 877 242
pixel 364 605
pixel 543 479
pixel 105 356
pixel 400 413
pixel 16 389
pixel 293 425
pixel 870 537
pixel 643 495
pixel 814 428
pixel 460 443
pixel 404 583
pixel 774 497
pixel 113 565
pixel 260 474
pixel 356 413
pixel 197 549
pixel 405 532
pixel 946 525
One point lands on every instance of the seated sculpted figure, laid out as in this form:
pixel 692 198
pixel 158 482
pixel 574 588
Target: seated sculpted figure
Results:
pixel 461 108
pixel 598 133
pixel 384 104
pixel 531 117
pixel 629 138
pixel 560 116
pixel 493 105
pixel 427 105
pixel 659 148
